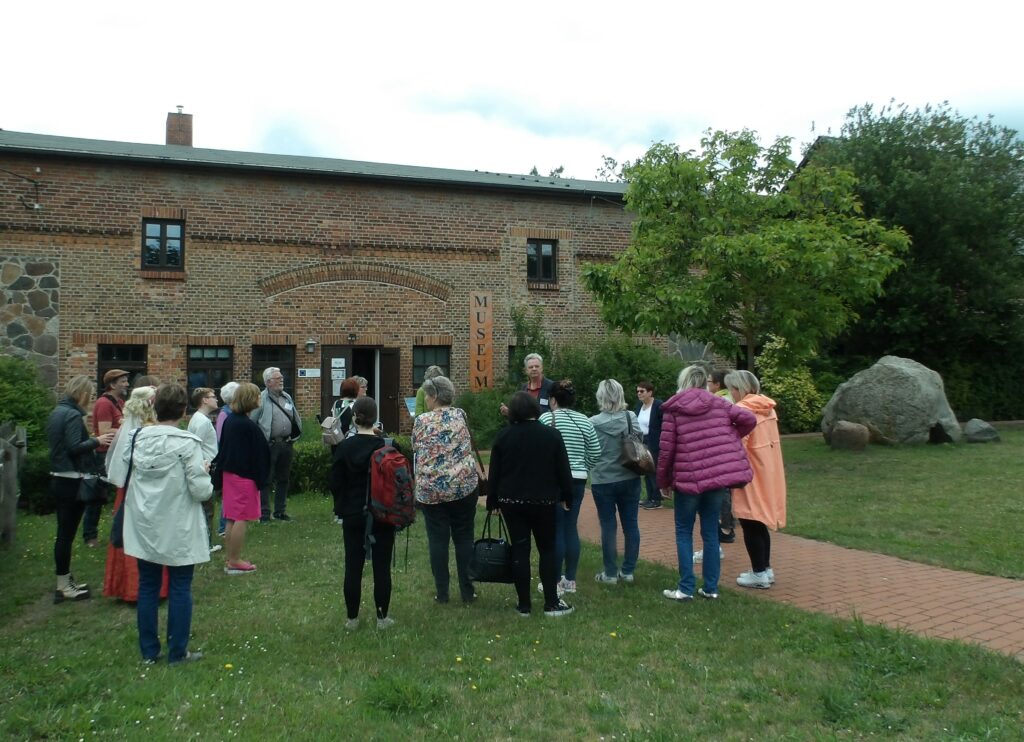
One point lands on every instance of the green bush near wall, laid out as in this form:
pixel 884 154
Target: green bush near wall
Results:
pixel 26 401
pixel 311 465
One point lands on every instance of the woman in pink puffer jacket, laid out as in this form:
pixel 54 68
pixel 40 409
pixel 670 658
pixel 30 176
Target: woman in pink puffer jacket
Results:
pixel 701 456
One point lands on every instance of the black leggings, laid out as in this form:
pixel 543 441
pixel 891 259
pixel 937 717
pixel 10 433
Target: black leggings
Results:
pixel 354 531
pixel 69 515
pixel 758 541
pixel 522 520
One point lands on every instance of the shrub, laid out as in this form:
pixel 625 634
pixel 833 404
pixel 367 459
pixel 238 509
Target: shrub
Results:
pixel 792 387
pixel 311 466
pixel 617 357
pixel 483 410
pixel 26 401
pixel 528 330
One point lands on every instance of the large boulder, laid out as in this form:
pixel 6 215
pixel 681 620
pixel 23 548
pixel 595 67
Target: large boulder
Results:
pixel 979 431
pixel 898 400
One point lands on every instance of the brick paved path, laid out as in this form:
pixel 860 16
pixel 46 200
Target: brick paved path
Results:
pixel 817 576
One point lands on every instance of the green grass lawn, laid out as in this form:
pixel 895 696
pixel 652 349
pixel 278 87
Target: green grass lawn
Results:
pixel 627 665
pixel 955 506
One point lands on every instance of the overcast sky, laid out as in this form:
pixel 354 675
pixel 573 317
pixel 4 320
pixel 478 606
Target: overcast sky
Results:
pixel 496 86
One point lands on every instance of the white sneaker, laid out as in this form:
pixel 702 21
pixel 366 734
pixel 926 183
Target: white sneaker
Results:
pixel 676 595
pixel 624 577
pixel 602 577
pixel 757 580
pixel 383 623
pixel 558 588
pixel 770 572
pixel 352 624
pixel 698 556
pixel 567 586
pixel 216 547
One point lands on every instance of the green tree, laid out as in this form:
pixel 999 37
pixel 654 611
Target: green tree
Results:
pixel 528 330
pixel 733 244
pixel 956 185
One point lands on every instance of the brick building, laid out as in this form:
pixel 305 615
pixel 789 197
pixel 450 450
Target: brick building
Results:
pixel 199 266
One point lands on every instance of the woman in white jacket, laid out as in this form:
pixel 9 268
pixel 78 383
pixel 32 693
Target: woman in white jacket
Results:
pixel 164 523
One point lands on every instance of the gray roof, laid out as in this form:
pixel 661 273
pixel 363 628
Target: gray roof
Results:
pixel 20 142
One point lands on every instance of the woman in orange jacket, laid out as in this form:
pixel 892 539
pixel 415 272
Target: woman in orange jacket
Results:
pixel 761 505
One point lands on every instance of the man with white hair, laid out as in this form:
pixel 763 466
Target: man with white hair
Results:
pixel 282 426
pixel 537 384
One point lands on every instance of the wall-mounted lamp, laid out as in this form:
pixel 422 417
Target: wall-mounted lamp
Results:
pixel 310 345
pixel 352 337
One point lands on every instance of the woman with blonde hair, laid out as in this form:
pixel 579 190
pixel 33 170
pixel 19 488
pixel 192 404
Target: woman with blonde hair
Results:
pixel 701 457
pixel 121 575
pixel 73 461
pixel 615 488
pixel 761 505
pixel 244 462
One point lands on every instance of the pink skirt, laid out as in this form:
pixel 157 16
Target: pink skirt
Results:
pixel 241 498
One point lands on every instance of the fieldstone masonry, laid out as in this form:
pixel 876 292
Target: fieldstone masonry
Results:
pixel 30 315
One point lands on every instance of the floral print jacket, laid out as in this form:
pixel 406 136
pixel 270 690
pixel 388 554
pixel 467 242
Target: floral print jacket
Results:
pixel 444 462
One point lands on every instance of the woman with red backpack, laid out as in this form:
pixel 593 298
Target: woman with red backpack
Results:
pixel 349 480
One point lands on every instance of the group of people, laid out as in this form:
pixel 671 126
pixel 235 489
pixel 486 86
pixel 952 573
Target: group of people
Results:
pixel 705 447
pixel 164 478
pixel 718 455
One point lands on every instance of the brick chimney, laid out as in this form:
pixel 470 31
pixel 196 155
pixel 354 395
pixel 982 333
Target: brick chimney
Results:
pixel 179 128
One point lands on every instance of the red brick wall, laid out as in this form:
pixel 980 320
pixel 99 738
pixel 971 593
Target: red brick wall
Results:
pixel 296 255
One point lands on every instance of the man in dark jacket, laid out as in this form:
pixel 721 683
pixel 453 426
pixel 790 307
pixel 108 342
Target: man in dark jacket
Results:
pixel 648 413
pixel 537 384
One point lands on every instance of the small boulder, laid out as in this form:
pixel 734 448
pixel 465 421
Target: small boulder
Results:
pixel 979 431
pixel 849 436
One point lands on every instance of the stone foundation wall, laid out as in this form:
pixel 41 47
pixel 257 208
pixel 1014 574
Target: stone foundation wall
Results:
pixel 30 314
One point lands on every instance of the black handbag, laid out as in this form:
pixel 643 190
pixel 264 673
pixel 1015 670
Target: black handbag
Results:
pixel 635 455
pixel 492 557
pixel 91 490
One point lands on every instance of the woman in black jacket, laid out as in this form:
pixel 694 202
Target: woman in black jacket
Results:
pixel 243 458
pixel 350 475
pixel 73 464
pixel 529 476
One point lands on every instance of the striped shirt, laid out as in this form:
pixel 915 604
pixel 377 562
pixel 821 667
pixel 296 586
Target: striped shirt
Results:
pixel 580 438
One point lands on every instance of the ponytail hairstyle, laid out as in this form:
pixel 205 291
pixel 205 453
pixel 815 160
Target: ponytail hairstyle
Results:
pixel 364 412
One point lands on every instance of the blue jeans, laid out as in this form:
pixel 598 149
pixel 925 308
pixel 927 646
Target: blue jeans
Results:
pixel 567 537
pixel 179 609
pixel 708 504
pixel 624 497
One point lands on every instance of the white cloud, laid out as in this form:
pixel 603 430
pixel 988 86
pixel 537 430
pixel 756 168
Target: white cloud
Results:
pixel 481 86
